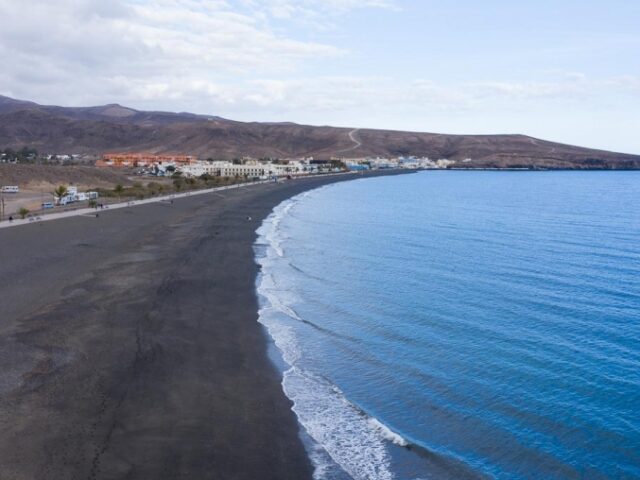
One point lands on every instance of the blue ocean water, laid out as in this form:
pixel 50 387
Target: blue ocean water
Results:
pixel 455 324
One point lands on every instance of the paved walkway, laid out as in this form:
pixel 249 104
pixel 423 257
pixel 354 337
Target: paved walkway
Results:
pixel 114 206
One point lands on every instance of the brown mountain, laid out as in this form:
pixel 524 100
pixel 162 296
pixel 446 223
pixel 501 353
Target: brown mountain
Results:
pixel 95 130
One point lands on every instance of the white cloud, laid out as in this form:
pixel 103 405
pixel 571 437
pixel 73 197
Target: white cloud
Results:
pixel 332 98
pixel 628 83
pixel 335 93
pixel 217 53
pixel 313 9
pixel 69 46
pixel 531 90
pixel 253 60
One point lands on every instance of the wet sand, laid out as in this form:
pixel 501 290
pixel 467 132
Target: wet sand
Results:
pixel 129 346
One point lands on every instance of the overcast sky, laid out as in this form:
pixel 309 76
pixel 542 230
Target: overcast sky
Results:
pixel 566 70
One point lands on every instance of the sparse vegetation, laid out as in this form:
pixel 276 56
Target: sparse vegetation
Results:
pixel 180 183
pixel 155 188
pixel 118 190
pixel 23 212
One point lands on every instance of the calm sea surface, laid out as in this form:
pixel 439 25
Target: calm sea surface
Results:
pixel 461 324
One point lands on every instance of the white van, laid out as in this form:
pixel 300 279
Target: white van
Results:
pixel 10 189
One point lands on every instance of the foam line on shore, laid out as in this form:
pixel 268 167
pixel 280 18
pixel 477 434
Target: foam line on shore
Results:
pixel 354 440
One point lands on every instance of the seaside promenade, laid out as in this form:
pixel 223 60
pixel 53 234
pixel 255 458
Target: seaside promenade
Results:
pixel 130 203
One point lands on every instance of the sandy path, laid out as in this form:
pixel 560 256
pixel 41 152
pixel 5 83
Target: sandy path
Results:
pixel 356 142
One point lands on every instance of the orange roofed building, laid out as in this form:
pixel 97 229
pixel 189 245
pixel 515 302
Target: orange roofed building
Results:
pixel 120 160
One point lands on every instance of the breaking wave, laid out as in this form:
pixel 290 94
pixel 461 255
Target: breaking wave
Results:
pixel 341 432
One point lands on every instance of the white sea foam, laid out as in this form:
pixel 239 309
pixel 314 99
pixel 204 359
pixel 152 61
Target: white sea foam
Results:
pixel 387 433
pixel 321 461
pixel 273 236
pixel 337 425
pixel 355 441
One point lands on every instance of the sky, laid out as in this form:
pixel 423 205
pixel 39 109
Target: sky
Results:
pixel 563 70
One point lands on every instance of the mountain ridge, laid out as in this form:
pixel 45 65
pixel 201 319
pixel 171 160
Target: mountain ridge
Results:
pixel 113 127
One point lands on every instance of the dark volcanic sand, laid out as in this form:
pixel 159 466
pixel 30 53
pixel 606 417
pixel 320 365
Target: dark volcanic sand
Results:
pixel 129 346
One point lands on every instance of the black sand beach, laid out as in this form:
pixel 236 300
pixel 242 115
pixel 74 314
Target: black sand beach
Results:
pixel 129 346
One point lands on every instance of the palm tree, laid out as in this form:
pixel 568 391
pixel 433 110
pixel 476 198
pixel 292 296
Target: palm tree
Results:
pixel 60 192
pixel 118 190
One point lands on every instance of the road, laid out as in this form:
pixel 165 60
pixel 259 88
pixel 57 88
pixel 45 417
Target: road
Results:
pixel 356 143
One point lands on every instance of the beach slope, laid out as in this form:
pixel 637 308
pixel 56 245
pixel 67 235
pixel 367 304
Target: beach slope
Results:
pixel 129 346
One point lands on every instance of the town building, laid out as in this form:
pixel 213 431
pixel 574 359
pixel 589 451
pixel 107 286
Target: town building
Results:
pixel 121 160
pixel 249 169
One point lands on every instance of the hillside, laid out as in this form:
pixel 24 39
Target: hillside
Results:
pixel 95 130
pixel 47 177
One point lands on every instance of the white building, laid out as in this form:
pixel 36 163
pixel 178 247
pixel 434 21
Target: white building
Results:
pixel 444 162
pixel 291 168
pixel 247 170
pixel 250 169
pixel 377 163
pixel 198 169
pixel 410 163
